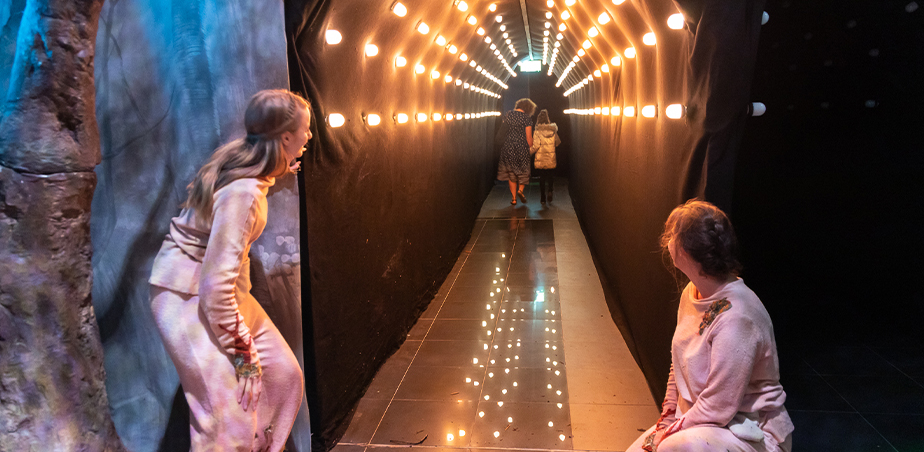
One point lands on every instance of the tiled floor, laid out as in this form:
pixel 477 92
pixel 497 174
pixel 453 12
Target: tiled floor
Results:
pixel 855 398
pixel 516 352
pixel 843 399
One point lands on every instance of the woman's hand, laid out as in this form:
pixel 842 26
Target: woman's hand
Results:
pixel 249 379
pixel 248 391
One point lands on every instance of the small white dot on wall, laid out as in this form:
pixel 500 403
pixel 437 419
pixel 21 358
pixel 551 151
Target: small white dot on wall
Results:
pixel 911 7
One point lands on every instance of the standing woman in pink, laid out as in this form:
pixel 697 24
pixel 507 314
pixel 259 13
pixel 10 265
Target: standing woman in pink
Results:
pixel 724 391
pixel 241 380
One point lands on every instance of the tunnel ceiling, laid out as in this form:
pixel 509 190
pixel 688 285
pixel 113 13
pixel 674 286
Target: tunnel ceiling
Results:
pixel 477 45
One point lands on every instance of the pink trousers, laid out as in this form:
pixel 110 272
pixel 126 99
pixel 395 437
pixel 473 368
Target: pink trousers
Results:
pixel 707 439
pixel 217 421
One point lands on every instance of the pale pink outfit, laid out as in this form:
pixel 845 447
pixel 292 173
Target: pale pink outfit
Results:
pixel 200 297
pixel 729 372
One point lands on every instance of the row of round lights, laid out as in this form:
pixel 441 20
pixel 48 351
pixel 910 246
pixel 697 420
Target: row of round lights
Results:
pixel 472 20
pixel 373 119
pixel 400 10
pixel 672 111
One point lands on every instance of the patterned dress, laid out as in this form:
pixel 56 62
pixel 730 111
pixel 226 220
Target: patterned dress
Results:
pixel 514 159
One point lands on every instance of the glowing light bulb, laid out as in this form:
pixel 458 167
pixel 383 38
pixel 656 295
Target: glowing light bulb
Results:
pixel 614 111
pixel 401 118
pixel 550 3
pixel 603 19
pixel 597 73
pixel 593 32
pixel 462 7
pixel 559 37
pixel 675 21
pixel 333 37
pixel 674 111
pixel 606 111
pixel 586 44
pixel 630 52
pixel 492 7
pixel 480 31
pixel 561 437
pixel 434 74
pixel 373 119
pixel 440 40
pixel 581 52
pixel 458 82
pixel 649 39
pixel 335 120
pixel 570 2
pixel 463 56
pixel 618 2
pixel 548 25
pixel 472 20
pixel 481 414
pixel 629 111
pixel 421 117
pixel 423 28
pixel 498 19
pixel 496 434
pixel 372 50
pixel 400 61
pixel 461 432
pixel 649 111
pixel 419 69
pixel 565 15
pixel 616 61
pixel 399 9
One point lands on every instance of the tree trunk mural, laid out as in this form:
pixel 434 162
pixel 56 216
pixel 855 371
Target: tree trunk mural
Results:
pixel 52 381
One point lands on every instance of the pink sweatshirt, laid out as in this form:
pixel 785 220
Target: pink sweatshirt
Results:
pixel 724 362
pixel 211 260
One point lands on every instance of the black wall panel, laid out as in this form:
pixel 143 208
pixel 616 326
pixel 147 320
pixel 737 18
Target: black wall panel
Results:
pixel 387 208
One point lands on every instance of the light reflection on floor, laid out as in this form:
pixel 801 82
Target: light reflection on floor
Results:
pixel 486 366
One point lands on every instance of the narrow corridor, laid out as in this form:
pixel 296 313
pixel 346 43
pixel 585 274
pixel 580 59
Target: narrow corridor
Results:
pixel 517 351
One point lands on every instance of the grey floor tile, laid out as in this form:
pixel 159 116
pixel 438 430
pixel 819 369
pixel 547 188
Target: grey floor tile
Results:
pixel 905 432
pixel 365 420
pixel 530 310
pixel 468 310
pixel 451 330
pixel 526 354
pixel 886 394
pixel 447 384
pixel 812 393
pixel 409 421
pixel 835 432
pixel 531 293
pixel 546 278
pixel 451 353
pixel 602 427
pixel 471 294
pixel 853 360
pixel 521 384
pixel 527 330
pixel 419 330
pixel 523 425
pixel 485 280
pixel 909 360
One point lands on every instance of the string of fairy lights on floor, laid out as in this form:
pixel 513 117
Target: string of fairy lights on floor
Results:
pixel 334 37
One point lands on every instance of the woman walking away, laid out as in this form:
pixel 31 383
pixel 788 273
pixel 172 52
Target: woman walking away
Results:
pixel 724 391
pixel 545 139
pixel 515 156
pixel 241 379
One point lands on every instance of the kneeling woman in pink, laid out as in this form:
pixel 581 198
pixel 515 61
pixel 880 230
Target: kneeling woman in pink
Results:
pixel 724 391
pixel 241 380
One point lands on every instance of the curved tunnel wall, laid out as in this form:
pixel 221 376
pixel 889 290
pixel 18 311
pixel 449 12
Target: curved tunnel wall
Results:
pixel 388 207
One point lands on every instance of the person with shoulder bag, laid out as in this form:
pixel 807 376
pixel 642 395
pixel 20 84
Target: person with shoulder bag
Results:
pixel 545 139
